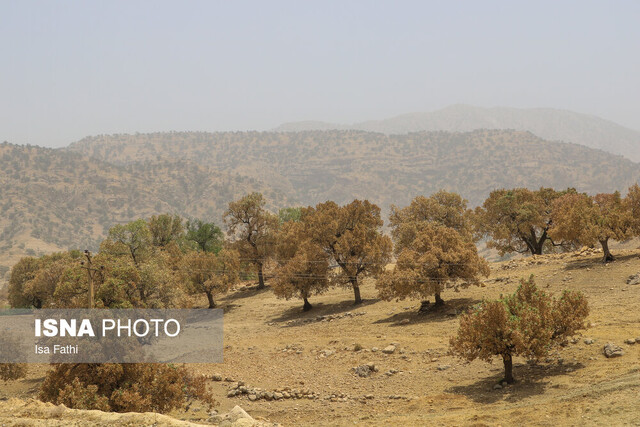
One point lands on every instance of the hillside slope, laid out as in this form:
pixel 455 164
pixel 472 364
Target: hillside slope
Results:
pixel 547 123
pixel 315 166
pixel 53 199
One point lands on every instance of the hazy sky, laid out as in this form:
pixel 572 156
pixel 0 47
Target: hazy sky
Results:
pixel 70 69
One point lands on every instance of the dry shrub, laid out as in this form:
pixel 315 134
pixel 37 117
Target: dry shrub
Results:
pixel 123 387
pixel 12 371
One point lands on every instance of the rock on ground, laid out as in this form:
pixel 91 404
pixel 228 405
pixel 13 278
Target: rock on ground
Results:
pixel 612 350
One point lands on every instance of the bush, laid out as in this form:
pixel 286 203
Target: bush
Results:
pixel 123 387
pixel 12 371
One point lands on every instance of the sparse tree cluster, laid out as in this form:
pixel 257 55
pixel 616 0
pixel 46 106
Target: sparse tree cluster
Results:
pixel 302 252
pixel 536 222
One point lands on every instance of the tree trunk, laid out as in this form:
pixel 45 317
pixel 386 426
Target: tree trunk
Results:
pixel 307 305
pixel 607 253
pixel 439 300
pixel 356 291
pixel 212 303
pixel 508 368
pixel 260 277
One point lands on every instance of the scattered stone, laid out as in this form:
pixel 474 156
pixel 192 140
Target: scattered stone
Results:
pixel 363 371
pixel 630 341
pixel 327 352
pixel 405 321
pixel 443 367
pixel 634 280
pixel 588 341
pixel 390 349
pixel 374 349
pixel 497 387
pixel 612 350
pixel 216 377
pixel 368 396
pixel 325 318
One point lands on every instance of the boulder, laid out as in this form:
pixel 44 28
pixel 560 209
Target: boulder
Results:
pixel 612 350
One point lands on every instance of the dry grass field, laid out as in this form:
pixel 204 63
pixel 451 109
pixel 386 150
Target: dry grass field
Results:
pixel 272 345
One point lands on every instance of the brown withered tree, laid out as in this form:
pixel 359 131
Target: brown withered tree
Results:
pixel 518 220
pixel 210 273
pixel 254 229
pixel 433 244
pixel 303 266
pixel 590 220
pixel 351 235
pixel 444 208
pixel 437 258
pixel 527 323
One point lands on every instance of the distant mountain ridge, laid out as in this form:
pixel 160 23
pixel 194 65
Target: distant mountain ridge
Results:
pixel 547 123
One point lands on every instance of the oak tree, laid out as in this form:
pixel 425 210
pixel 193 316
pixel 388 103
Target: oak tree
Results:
pixel 302 266
pixel 527 323
pixel 518 220
pixel 254 229
pixel 351 236
pixel 211 273
pixel 589 220
pixel 206 235
pixel 165 229
pixel 437 258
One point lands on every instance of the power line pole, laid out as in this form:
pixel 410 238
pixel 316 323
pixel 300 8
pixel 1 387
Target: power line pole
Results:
pixel 91 271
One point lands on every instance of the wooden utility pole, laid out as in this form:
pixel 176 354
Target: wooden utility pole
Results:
pixel 91 271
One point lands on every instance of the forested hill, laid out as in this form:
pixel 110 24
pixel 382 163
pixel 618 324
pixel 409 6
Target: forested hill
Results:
pixel 56 199
pixel 315 166
pixel 547 123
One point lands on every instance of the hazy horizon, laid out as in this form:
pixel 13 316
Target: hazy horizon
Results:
pixel 74 69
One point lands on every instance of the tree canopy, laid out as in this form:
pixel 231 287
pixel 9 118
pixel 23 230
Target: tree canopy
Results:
pixel 352 237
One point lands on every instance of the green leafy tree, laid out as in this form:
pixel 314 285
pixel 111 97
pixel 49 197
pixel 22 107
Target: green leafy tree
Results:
pixel 206 235
pixel 289 214
pixel 165 229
